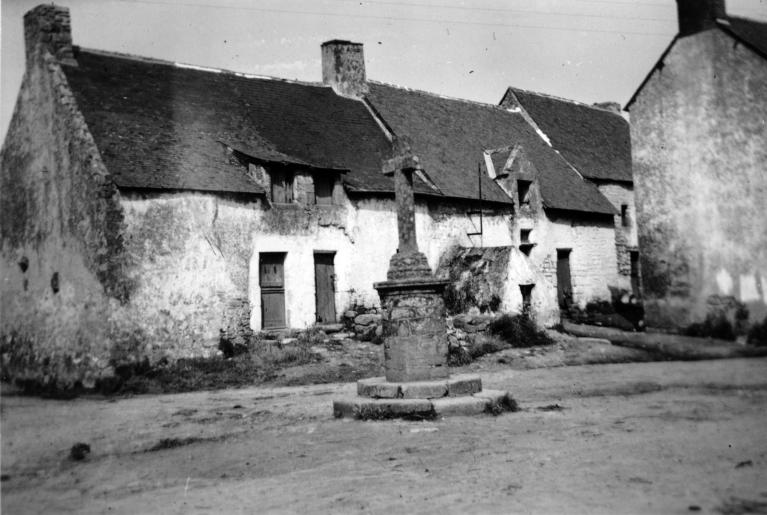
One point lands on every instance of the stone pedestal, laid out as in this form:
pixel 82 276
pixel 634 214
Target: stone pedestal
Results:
pixel 415 345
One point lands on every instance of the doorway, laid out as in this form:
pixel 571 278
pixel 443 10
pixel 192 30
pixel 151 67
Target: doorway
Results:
pixel 564 283
pixel 271 277
pixel 634 272
pixel 325 288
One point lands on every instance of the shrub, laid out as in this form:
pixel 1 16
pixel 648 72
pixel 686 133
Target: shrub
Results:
pixel 757 335
pixel 714 326
pixel 519 331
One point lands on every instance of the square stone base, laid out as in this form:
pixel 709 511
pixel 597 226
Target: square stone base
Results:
pixel 364 408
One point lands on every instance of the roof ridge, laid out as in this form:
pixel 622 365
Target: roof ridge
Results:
pixel 189 66
pixel 438 95
pixel 568 101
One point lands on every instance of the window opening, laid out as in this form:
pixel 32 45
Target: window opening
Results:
pixel 624 215
pixel 523 191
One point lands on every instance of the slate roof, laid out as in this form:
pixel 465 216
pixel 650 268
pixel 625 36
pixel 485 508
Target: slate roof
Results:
pixel 595 141
pixel 749 32
pixel 450 136
pixel 162 126
pixel 159 125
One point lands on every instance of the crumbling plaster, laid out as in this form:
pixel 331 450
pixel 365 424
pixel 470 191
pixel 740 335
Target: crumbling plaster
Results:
pixel 699 147
pixel 61 217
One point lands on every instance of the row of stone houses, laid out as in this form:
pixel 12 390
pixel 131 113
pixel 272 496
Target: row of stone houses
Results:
pixel 152 208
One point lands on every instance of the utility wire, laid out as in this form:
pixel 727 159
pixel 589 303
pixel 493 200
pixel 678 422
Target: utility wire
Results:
pixel 391 18
pixel 492 9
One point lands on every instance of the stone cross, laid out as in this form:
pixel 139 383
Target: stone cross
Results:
pixel 402 167
pixel 408 262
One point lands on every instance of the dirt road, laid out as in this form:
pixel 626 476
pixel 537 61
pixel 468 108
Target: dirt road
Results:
pixel 665 437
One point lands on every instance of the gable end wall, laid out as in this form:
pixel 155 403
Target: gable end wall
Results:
pixel 699 140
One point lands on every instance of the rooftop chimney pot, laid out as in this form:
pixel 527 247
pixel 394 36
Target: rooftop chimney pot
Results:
pixel 343 68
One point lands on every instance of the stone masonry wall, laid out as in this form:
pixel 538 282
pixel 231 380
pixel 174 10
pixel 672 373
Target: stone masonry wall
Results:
pixel 625 237
pixel 699 149
pixel 62 253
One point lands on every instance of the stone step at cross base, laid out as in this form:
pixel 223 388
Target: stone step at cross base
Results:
pixel 461 394
pixel 368 408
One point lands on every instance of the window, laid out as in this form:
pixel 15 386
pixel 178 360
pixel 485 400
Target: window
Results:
pixel 323 188
pixel 624 215
pixel 282 186
pixel 523 191
pixel 527 298
pixel 525 245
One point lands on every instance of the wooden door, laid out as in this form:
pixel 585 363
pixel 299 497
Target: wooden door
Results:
pixel 324 281
pixel 564 284
pixel 271 276
pixel 634 272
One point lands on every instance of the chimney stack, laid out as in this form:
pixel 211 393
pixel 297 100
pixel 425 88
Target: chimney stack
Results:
pixel 343 68
pixel 699 15
pixel 49 25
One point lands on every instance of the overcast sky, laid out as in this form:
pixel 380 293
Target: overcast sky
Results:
pixel 587 50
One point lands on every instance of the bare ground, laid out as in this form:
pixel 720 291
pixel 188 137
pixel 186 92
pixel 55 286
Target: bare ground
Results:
pixel 667 437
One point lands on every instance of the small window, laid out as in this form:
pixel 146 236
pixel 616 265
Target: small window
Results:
pixel 624 215
pixel 323 188
pixel 527 298
pixel 282 186
pixel 523 191
pixel 524 235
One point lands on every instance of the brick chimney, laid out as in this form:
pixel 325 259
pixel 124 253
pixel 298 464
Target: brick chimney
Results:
pixel 49 25
pixel 343 68
pixel 698 15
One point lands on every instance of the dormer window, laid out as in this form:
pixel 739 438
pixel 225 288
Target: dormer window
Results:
pixel 323 188
pixel 523 192
pixel 282 186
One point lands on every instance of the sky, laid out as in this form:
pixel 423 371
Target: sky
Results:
pixel 585 50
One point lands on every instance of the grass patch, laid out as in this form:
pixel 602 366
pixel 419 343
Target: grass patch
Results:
pixel 259 363
pixel 757 335
pixel 505 404
pixel 172 443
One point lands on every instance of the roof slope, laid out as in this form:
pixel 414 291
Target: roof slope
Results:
pixel 595 141
pixel 158 125
pixel 450 136
pixel 751 32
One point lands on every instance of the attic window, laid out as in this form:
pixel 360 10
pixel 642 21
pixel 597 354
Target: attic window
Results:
pixel 323 188
pixel 523 191
pixel 282 186
pixel 524 235
pixel 624 215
